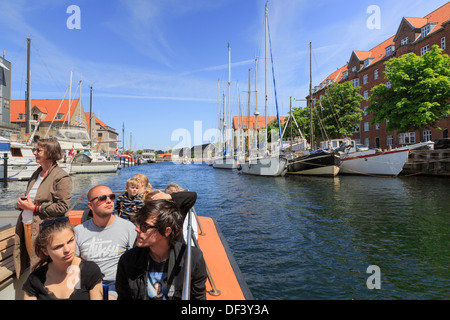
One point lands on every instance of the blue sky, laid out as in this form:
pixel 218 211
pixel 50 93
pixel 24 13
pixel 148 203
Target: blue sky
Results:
pixel 155 65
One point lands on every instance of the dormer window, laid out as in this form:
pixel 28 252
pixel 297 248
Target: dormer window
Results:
pixel 59 116
pixel 21 116
pixel 404 41
pixel 425 30
pixel 328 82
pixel 367 62
pixel 390 50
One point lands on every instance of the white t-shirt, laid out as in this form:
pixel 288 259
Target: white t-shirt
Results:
pixel 27 215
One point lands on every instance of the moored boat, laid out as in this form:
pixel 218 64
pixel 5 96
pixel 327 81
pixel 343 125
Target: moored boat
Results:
pixel 21 161
pixel 388 163
pixel 316 163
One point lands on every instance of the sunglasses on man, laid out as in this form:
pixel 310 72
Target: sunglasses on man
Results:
pixel 144 227
pixel 103 198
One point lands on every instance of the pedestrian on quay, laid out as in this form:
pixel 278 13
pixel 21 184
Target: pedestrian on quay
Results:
pixel 60 273
pixel 154 268
pixel 48 195
pixel 105 237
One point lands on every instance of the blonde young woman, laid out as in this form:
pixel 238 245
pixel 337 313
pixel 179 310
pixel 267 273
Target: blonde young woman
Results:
pixel 60 273
pixel 48 195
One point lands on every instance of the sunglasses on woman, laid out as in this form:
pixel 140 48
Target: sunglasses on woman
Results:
pixel 37 150
pixel 103 197
pixel 47 223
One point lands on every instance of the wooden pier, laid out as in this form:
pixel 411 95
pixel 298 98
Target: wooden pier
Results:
pixel 428 162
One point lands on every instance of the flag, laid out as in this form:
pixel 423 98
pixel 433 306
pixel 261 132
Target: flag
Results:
pixel 72 152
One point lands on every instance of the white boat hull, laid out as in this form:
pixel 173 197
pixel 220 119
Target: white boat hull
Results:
pixel 328 171
pixel 95 167
pixel 389 163
pixel 225 163
pixel 19 171
pixel 271 166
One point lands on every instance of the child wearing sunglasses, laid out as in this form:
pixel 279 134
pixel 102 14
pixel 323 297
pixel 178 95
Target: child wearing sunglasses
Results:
pixel 60 274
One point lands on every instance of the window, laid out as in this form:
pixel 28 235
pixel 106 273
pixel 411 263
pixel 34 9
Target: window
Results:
pixel 366 126
pixel 365 111
pixel 366 142
pixel 390 50
pixel 366 94
pixel 365 79
pixel 388 84
pixel 375 74
pixel 407 138
pixel 354 69
pixel 377 126
pixel 425 30
pixel 21 116
pixel 59 116
pixel 356 82
pixel 443 43
pixel 424 49
pixel 404 41
pixel 35 117
pixel 345 74
pixel 390 140
pixel 427 135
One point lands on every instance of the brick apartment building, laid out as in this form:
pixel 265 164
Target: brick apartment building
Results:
pixel 49 115
pixel 366 69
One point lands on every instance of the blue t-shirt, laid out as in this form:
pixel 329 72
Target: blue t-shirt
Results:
pixel 157 280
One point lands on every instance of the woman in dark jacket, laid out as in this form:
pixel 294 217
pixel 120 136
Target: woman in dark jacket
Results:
pixel 154 269
pixel 48 195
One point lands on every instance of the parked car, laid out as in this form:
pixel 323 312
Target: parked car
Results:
pixel 443 143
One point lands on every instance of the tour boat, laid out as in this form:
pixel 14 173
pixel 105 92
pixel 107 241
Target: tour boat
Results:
pixel 225 280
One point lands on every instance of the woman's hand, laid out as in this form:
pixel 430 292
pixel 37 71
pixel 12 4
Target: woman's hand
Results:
pixel 26 204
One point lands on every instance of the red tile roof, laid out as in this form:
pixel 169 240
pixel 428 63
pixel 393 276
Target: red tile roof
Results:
pixel 261 122
pixel 97 120
pixel 48 106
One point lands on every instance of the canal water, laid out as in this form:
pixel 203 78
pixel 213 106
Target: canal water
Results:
pixel 349 237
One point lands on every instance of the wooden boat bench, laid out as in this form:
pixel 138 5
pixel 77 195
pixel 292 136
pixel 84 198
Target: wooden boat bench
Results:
pixel 6 254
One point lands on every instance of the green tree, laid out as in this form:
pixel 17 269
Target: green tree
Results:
pixel 419 93
pixel 339 110
pixel 301 115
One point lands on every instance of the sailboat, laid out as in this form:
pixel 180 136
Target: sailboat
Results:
pixel 86 161
pixel 225 159
pixel 266 163
pixel 324 162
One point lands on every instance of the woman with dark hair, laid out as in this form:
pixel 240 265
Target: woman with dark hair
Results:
pixel 154 269
pixel 48 195
pixel 60 274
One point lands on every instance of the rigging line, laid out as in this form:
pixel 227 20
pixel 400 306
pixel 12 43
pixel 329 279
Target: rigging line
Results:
pixel 322 127
pixel 334 112
pixel 48 70
pixel 274 85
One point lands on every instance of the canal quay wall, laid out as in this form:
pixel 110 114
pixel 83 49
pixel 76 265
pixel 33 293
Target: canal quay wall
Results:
pixel 428 162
